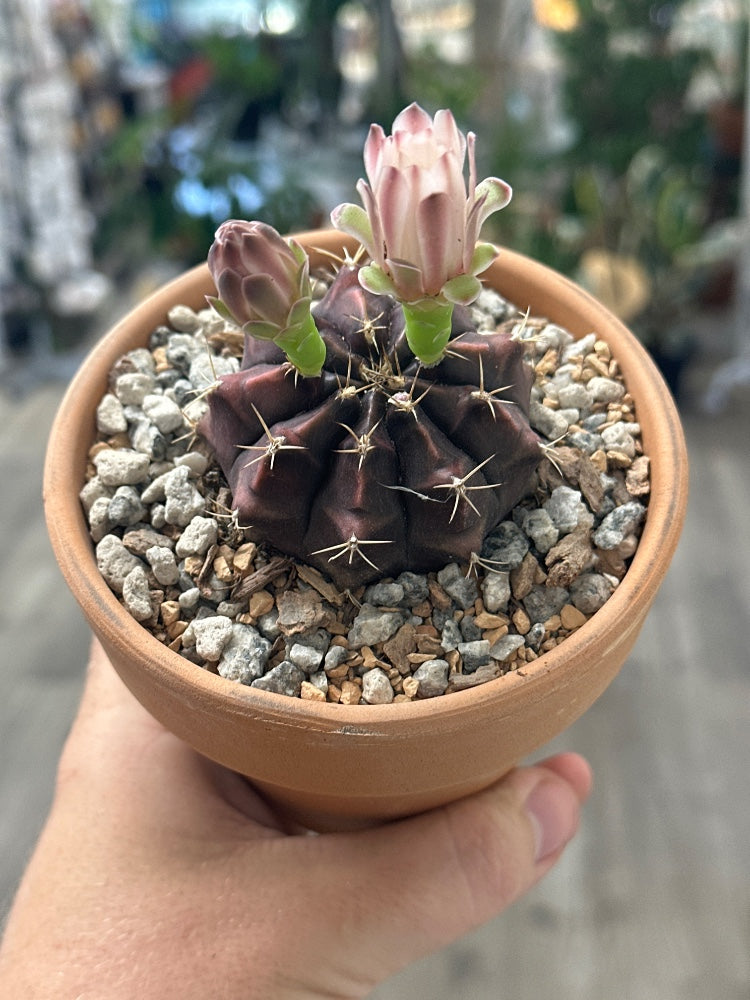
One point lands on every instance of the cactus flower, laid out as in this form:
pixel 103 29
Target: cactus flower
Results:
pixel 420 222
pixel 263 285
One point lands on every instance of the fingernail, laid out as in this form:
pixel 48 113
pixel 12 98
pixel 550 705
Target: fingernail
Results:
pixel 553 810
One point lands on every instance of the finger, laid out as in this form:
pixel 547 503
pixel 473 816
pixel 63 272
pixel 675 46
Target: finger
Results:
pixel 574 769
pixel 417 885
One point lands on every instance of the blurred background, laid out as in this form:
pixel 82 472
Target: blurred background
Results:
pixel 129 129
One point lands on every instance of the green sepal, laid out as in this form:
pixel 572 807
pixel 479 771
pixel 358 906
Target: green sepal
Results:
pixel 261 330
pixel 220 308
pixel 353 219
pixel 375 280
pixel 494 194
pixel 462 289
pixel 484 254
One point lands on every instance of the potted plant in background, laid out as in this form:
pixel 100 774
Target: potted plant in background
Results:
pixel 378 435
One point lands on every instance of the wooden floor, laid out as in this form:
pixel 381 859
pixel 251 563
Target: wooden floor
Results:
pixel 651 902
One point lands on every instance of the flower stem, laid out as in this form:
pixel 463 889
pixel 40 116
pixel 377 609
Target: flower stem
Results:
pixel 428 328
pixel 303 346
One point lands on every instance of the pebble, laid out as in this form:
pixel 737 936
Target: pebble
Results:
pixel 620 523
pixel 474 654
pixel 564 508
pixel 496 590
pixel 285 678
pixel 110 416
pixel 211 636
pixel 139 540
pixel 198 537
pixel 141 360
pixel 117 467
pixel 125 507
pixel 307 658
pixel 551 423
pixel 535 636
pixel 571 617
pixel 544 602
pixel 372 626
pixel 451 636
pixel 163 412
pixel 195 462
pixel 184 319
pixel 189 599
pixel 114 561
pixel 461 588
pixel 506 546
pixel 540 528
pixel 245 656
pixel 92 491
pixel 335 656
pixel 506 647
pixel 376 687
pixel 432 678
pixel 469 628
pixel 311 692
pixel 385 594
pixel 98 516
pixel 415 588
pixel 538 577
pixel 133 387
pixel 182 500
pixel 575 395
pixel 163 565
pixel 137 595
pixel 606 390
pixel 590 592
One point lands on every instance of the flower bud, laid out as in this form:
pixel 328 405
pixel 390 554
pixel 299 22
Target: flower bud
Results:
pixel 263 285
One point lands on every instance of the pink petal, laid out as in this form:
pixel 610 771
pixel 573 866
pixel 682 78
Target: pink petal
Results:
pixel 411 119
pixel 448 133
pixel 377 251
pixel 373 151
pixel 396 202
pixel 229 287
pixel 436 240
pixel 266 301
pixel 471 143
pixel 408 280
pixel 263 253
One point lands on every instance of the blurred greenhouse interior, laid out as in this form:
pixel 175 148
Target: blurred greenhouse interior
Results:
pixel 130 129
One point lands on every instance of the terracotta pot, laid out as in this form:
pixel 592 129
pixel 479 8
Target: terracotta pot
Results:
pixel 330 765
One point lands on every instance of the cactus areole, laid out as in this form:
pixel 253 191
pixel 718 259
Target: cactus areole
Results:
pixel 380 432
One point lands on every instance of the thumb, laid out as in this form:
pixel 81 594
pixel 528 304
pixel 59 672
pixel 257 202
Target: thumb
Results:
pixel 419 884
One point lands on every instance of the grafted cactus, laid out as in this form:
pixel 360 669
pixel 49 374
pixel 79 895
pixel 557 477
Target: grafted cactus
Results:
pixel 380 462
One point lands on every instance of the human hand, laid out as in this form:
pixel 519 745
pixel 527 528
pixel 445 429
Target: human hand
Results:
pixel 162 875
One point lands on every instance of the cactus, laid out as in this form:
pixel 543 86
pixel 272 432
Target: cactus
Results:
pixel 401 438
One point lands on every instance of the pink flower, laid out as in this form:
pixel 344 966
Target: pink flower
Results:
pixel 420 223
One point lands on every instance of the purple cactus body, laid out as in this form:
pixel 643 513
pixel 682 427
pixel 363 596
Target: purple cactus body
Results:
pixel 378 465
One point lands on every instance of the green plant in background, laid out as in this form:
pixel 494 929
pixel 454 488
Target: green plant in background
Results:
pixel 638 234
pixel 625 84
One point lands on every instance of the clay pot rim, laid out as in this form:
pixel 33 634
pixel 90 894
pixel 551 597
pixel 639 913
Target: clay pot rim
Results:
pixel 63 476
